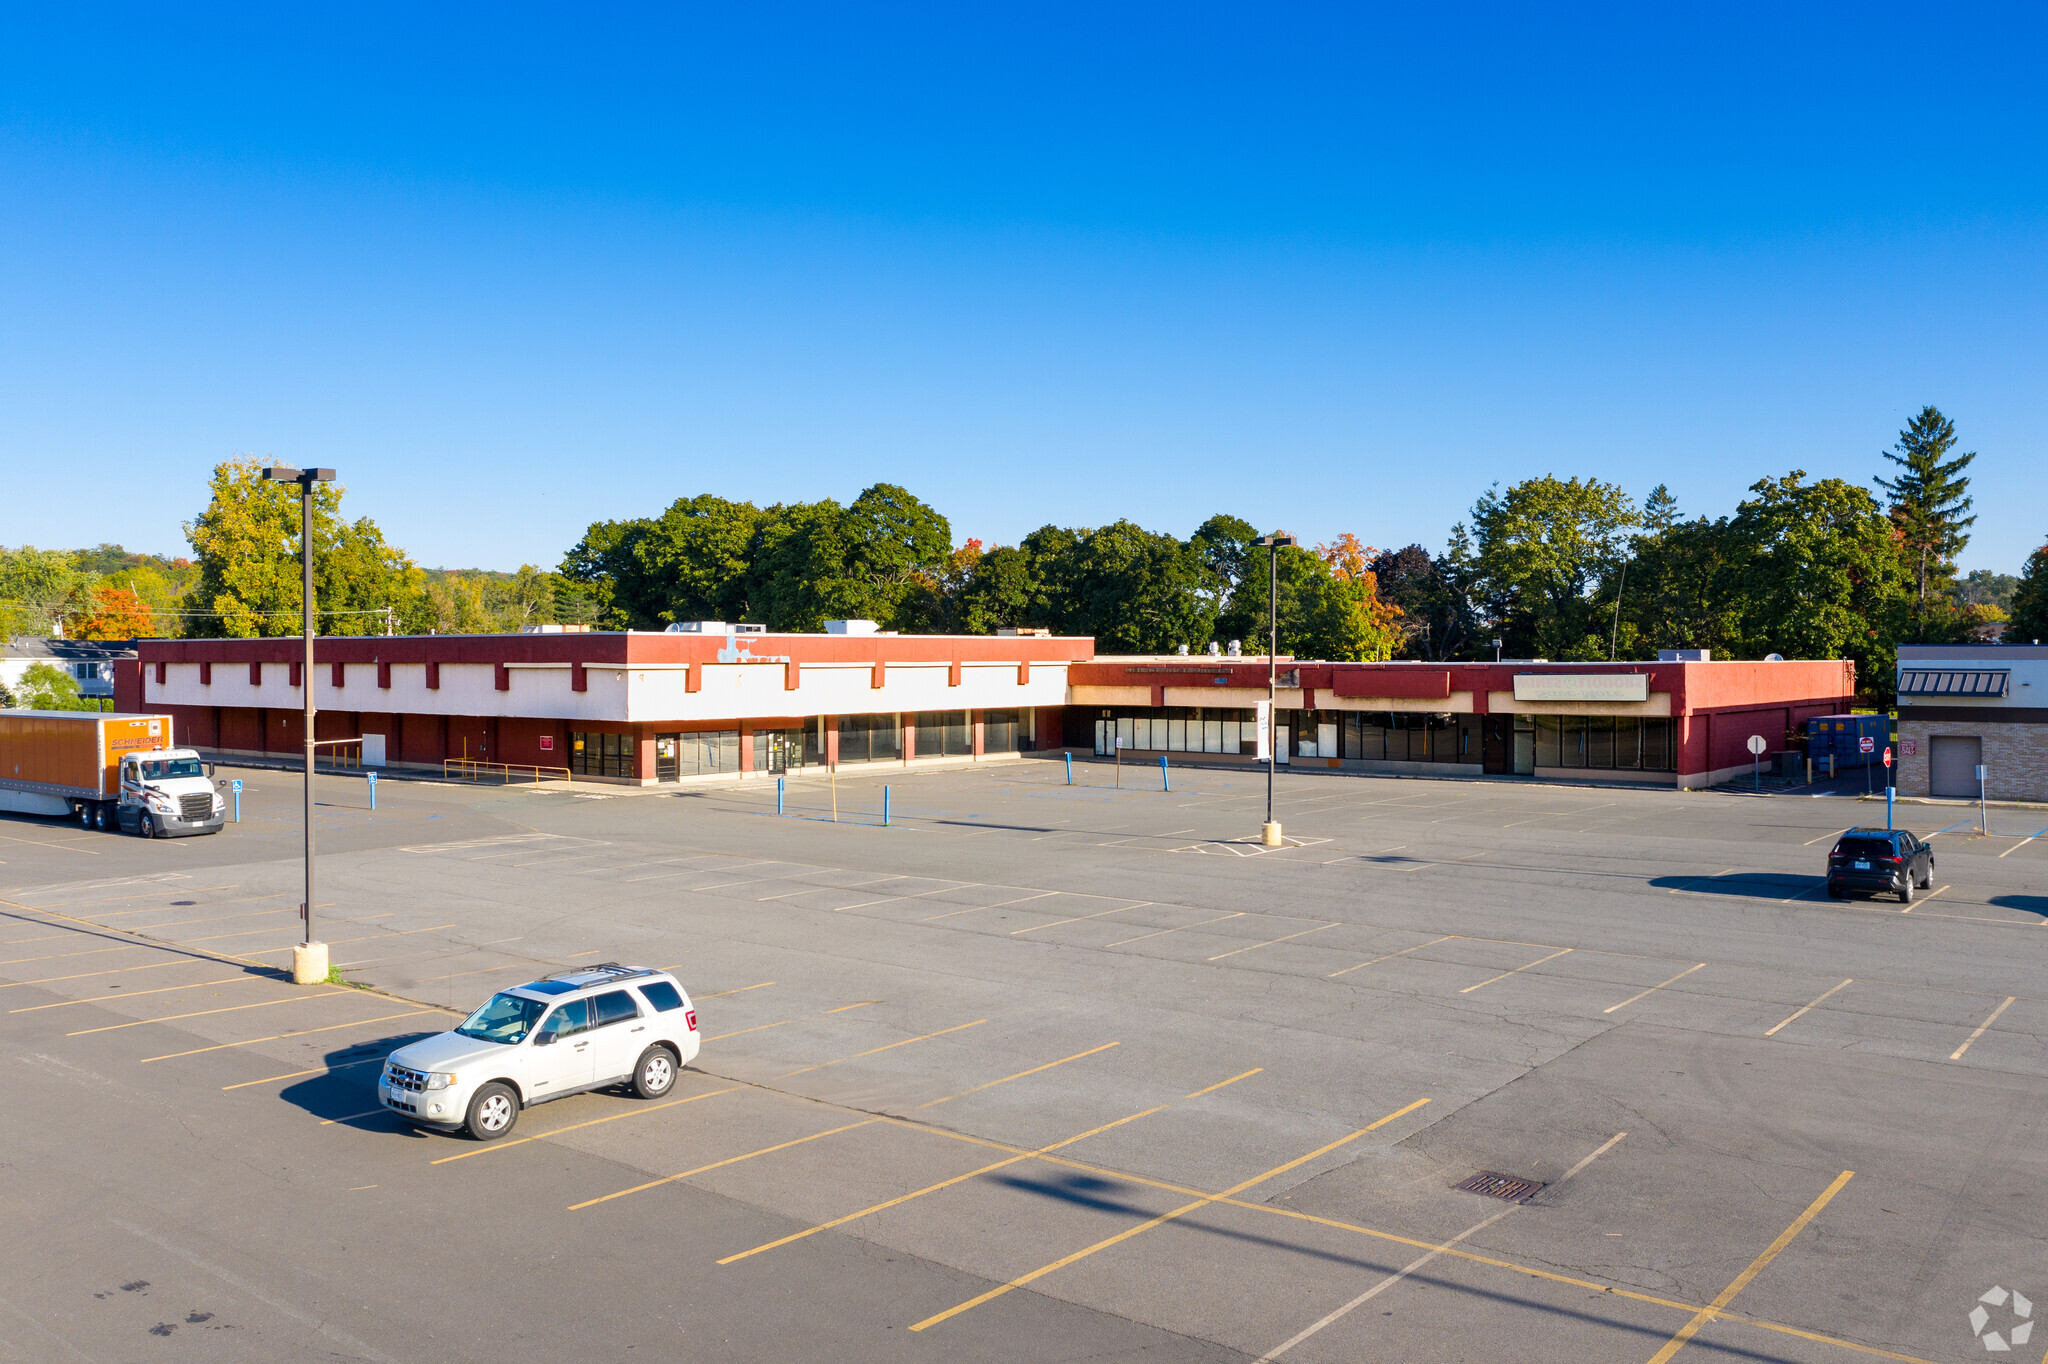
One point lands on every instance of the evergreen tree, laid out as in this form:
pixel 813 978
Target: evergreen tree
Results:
pixel 1929 498
pixel 2030 601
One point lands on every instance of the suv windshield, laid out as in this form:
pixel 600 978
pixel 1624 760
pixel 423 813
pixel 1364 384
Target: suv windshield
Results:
pixel 506 1019
pixel 163 769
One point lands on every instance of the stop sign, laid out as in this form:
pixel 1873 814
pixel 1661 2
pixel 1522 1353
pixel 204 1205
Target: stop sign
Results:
pixel 1887 755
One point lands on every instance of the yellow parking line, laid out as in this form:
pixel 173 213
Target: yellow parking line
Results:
pixel 66 845
pixel 1803 1012
pixel 1756 1267
pixel 1021 899
pixel 1957 1054
pixel 302 1032
pixel 844 1007
pixel 316 1070
pixel 178 960
pixel 201 1013
pixel 1696 880
pixel 889 1047
pixel 1516 972
pixel 131 994
pixel 1020 1074
pixel 729 1160
pixel 934 1188
pixel 60 956
pixel 1222 1083
pixel 1145 1226
pixel 1269 942
pixel 145 895
pixel 744 1031
pixel 158 909
pixel 1182 929
pixel 366 1113
pixel 543 1136
pixel 1122 909
pixel 1391 955
pixel 1652 990
pixel 1928 896
pixel 723 993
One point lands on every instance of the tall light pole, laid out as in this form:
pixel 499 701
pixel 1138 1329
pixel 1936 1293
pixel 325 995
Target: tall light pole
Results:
pixel 1269 833
pixel 309 958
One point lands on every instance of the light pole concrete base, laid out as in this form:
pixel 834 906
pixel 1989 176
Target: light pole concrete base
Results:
pixel 1269 834
pixel 309 963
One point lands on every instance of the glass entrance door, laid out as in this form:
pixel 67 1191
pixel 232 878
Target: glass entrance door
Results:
pixel 666 766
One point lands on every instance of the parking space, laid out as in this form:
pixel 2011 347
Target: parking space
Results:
pixel 1018 1077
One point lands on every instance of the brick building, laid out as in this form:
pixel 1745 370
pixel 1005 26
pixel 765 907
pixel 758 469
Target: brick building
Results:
pixel 1962 705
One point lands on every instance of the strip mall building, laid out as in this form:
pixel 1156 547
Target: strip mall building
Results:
pixel 648 708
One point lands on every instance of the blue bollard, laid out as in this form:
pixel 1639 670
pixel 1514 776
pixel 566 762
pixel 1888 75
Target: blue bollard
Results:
pixel 1165 777
pixel 1889 792
pixel 1070 768
pixel 778 795
pixel 885 807
pixel 373 790
pixel 238 800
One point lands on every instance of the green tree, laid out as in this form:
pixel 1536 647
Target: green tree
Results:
pixel 997 593
pixel 44 686
pixel 872 560
pixel 691 561
pixel 607 579
pixel 247 546
pixel 1544 548
pixel 1818 573
pixel 39 588
pixel 1138 591
pixel 1678 593
pixel 1929 497
pixel 2029 621
pixel 1320 614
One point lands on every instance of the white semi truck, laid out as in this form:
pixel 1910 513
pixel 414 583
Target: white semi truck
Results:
pixel 106 771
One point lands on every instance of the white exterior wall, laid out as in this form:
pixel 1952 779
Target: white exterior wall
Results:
pixel 730 691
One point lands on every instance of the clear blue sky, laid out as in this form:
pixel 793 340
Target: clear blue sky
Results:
pixel 513 269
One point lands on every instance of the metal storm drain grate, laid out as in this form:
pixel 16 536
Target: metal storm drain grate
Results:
pixel 1502 1186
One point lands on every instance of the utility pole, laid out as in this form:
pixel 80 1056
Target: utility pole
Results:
pixel 309 958
pixel 1269 832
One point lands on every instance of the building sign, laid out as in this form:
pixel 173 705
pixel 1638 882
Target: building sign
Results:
pixel 1265 728
pixel 1582 686
pixel 1911 746
pixel 547 743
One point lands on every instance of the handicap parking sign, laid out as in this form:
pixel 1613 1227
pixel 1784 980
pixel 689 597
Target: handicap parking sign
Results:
pixel 238 786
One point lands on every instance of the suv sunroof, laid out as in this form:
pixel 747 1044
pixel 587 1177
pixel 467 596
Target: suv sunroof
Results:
pixel 551 987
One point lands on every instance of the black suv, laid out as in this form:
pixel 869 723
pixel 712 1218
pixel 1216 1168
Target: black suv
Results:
pixel 1877 861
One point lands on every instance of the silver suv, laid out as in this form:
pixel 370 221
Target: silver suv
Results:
pixel 562 1034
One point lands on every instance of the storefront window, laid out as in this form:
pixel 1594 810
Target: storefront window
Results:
pixel 943 733
pixel 870 738
pixel 603 755
pixel 999 732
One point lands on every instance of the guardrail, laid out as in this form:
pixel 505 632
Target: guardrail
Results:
pixel 474 769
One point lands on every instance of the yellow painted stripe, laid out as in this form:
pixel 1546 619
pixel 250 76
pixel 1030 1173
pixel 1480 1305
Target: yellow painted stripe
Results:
pixel 1145 1226
pixel 1269 942
pixel 131 994
pixel 316 1070
pixel 1652 990
pixel 1222 1083
pixel 1756 1267
pixel 717 1164
pixel 934 1188
pixel 543 1136
pixel 201 1013
pixel 958 1027
pixel 1982 1028
pixel 1816 1003
pixel 1391 955
pixel 933 1103
pixel 302 1032
pixel 1516 972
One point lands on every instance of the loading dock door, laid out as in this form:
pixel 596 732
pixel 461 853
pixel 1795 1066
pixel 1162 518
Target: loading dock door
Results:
pixel 1952 765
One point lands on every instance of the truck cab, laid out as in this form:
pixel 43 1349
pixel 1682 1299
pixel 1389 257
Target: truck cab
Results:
pixel 167 793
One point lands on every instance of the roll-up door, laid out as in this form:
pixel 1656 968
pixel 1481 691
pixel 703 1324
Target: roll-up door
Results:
pixel 1952 765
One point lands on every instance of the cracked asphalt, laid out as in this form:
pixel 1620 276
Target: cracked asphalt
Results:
pixel 1037 1072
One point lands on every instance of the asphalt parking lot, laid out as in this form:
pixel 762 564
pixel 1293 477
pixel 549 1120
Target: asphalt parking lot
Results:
pixel 1039 1072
